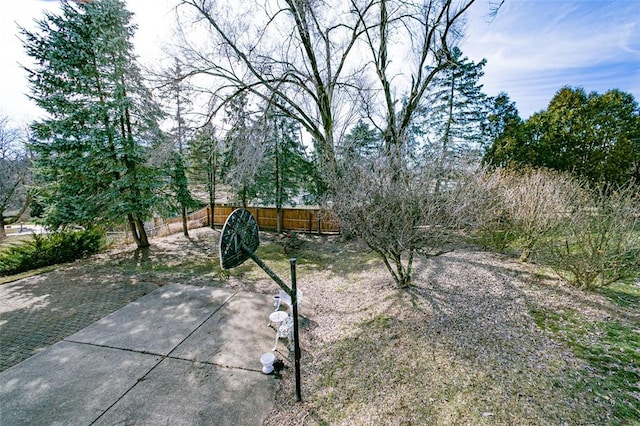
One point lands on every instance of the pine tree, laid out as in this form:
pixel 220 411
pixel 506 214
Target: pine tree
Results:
pixel 92 148
pixel 361 142
pixel 284 171
pixel 503 134
pixel 174 92
pixel 243 152
pixel 455 109
pixel 205 158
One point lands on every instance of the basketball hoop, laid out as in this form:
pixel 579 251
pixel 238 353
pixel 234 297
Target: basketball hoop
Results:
pixel 239 241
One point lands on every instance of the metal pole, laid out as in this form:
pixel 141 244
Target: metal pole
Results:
pixel 296 342
pixel 266 269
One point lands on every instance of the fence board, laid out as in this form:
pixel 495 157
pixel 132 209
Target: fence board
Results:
pixel 293 219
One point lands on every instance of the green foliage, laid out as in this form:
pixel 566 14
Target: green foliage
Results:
pixel 496 235
pixel 455 109
pixel 178 195
pixel 611 350
pixel 502 118
pixel 284 172
pixel 290 242
pixel 242 154
pixel 204 159
pixel 502 133
pixel 50 249
pixel 361 142
pixel 264 159
pixel 92 150
pixel 591 135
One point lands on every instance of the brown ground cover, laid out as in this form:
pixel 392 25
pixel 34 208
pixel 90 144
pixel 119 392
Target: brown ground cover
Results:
pixel 462 346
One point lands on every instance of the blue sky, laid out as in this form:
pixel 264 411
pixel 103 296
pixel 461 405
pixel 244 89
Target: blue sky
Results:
pixel 532 47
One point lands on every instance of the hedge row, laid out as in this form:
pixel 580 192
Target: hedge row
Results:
pixel 50 249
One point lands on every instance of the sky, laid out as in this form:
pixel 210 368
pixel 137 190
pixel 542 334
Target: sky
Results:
pixel 532 47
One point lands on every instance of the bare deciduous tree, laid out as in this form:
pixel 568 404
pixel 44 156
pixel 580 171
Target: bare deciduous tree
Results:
pixel 14 169
pixel 320 63
pixel 326 64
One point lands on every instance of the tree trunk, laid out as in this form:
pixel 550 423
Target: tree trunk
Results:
pixel 144 240
pixel 185 227
pixel 243 195
pixel 445 138
pixel 8 220
pixel 132 228
pixel 211 186
pixel 138 232
pixel 279 219
pixel 278 182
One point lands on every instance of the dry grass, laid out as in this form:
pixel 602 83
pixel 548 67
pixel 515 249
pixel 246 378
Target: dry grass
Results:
pixel 460 347
pixel 463 346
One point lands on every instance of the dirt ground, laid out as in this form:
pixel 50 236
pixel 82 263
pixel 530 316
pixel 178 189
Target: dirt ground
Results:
pixel 459 347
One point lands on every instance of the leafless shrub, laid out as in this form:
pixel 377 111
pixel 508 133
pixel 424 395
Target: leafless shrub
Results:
pixel 519 208
pixel 591 238
pixel 483 207
pixel 510 208
pixel 535 201
pixel 600 240
pixel 395 211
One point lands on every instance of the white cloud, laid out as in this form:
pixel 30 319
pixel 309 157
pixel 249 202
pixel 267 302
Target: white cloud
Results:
pixel 534 47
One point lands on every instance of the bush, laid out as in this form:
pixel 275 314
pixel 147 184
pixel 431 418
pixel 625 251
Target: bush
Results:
pixel 518 209
pixel 290 242
pixel 591 238
pixel 50 249
pixel 395 210
pixel 483 207
pixel 536 200
pixel 600 241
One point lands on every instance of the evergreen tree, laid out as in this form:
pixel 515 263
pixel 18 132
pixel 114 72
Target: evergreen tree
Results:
pixel 205 158
pixel 174 94
pixel 284 170
pixel 591 135
pixel 503 133
pixel 91 150
pixel 455 109
pixel 243 153
pixel 361 142
pixel 177 198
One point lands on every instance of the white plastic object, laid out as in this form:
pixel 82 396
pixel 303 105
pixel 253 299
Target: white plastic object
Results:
pixel 267 361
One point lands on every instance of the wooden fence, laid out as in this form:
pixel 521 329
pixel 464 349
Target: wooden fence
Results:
pixel 293 219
